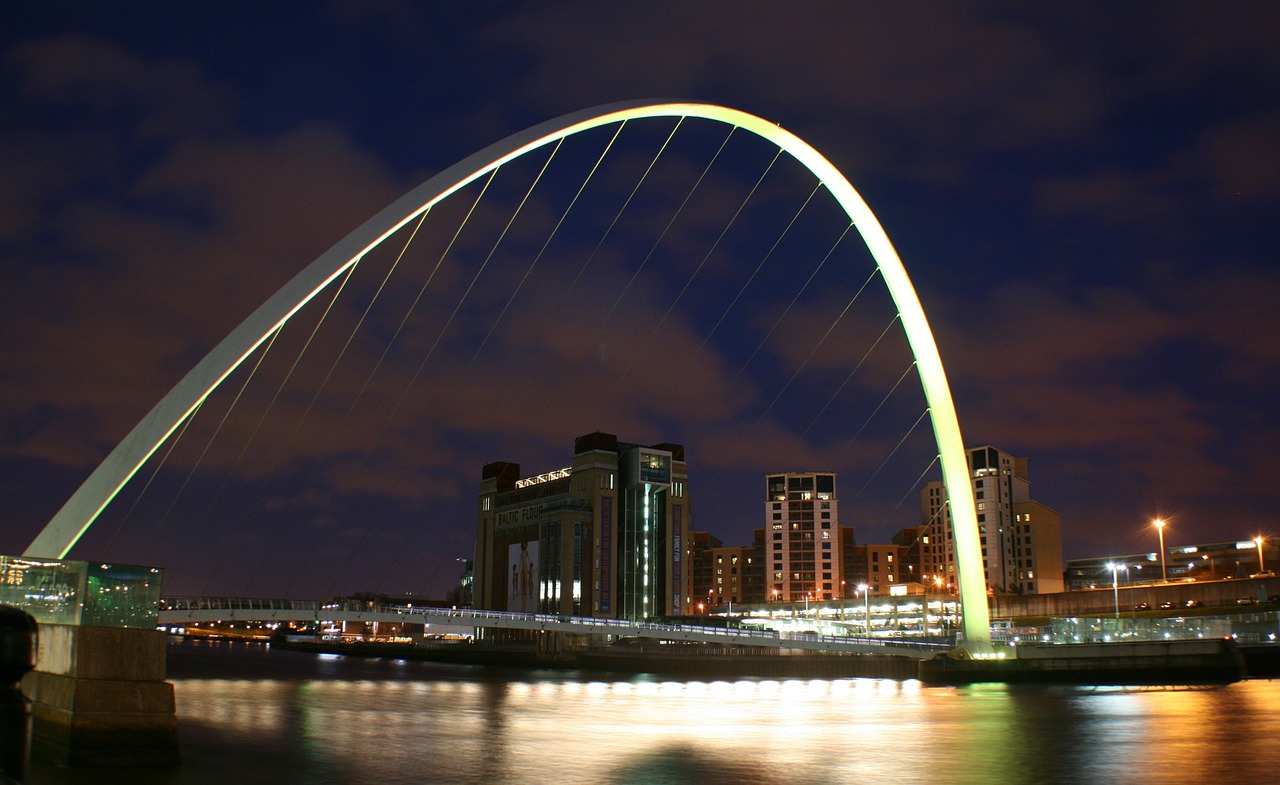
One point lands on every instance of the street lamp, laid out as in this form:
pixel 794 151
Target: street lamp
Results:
pixel 1262 567
pixel 866 595
pixel 1164 574
pixel 1115 583
pixel 842 599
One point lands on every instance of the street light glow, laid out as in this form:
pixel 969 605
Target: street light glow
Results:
pixel 1164 574
pixel 1115 583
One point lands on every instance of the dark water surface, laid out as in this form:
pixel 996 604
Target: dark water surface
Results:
pixel 249 714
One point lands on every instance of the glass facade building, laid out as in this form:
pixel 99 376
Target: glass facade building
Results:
pixel 88 594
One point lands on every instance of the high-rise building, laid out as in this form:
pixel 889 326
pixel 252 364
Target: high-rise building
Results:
pixel 802 547
pixel 604 537
pixel 1021 538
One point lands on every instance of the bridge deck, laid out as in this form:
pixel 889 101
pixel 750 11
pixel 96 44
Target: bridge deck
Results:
pixel 205 610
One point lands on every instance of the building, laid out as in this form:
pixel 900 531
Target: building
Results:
pixel 605 536
pixel 1037 549
pixel 802 546
pixel 729 567
pixel 753 574
pixel 912 555
pixel 1021 538
pixel 877 567
pixel 702 568
pixel 1212 561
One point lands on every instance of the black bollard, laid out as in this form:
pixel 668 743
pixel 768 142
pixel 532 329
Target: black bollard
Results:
pixel 17 657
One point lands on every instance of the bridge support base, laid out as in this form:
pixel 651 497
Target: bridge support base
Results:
pixel 99 698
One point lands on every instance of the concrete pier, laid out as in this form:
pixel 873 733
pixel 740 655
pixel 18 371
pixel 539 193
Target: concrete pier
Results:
pixel 99 698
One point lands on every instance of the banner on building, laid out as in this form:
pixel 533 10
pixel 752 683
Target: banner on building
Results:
pixel 522 577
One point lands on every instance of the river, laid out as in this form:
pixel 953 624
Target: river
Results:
pixel 250 714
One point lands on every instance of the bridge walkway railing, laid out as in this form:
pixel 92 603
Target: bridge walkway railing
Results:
pixel 176 610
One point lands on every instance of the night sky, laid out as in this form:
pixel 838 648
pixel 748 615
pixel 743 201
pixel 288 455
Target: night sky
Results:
pixel 1085 196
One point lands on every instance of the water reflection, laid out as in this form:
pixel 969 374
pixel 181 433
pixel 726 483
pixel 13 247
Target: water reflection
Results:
pixel 463 726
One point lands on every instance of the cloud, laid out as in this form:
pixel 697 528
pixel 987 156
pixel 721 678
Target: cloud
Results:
pixel 918 80
pixel 166 100
pixel 1240 159
pixel 164 262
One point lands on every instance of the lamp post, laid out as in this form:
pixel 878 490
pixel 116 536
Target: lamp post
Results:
pixel 1115 584
pixel 842 599
pixel 1164 573
pixel 866 596
pixel 1262 567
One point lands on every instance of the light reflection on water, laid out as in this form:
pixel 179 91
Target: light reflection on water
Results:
pixel 412 723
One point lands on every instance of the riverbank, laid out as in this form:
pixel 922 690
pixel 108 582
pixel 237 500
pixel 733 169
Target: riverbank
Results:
pixel 1172 663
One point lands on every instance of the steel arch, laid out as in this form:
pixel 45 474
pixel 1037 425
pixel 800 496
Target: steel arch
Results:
pixel 83 507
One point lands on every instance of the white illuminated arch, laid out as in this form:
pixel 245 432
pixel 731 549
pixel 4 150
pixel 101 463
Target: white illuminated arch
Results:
pixel 87 502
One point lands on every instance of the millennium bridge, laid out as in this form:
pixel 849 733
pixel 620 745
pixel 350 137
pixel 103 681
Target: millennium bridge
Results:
pixel 204 610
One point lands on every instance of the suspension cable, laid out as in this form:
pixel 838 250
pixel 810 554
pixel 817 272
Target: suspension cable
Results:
pixel 892 452
pixel 875 411
pixel 670 222
pixel 790 305
pixel 712 249
pixel 911 488
pixel 847 378
pixel 439 337
pixel 226 415
pixel 756 271
pixel 395 336
pixel 817 346
pixel 173 443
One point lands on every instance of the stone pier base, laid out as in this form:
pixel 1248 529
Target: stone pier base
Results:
pixel 99 698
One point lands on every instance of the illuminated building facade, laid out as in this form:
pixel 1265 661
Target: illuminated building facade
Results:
pixel 729 570
pixel 1021 538
pixel 603 537
pixel 1213 561
pixel 877 567
pixel 700 545
pixel 802 537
